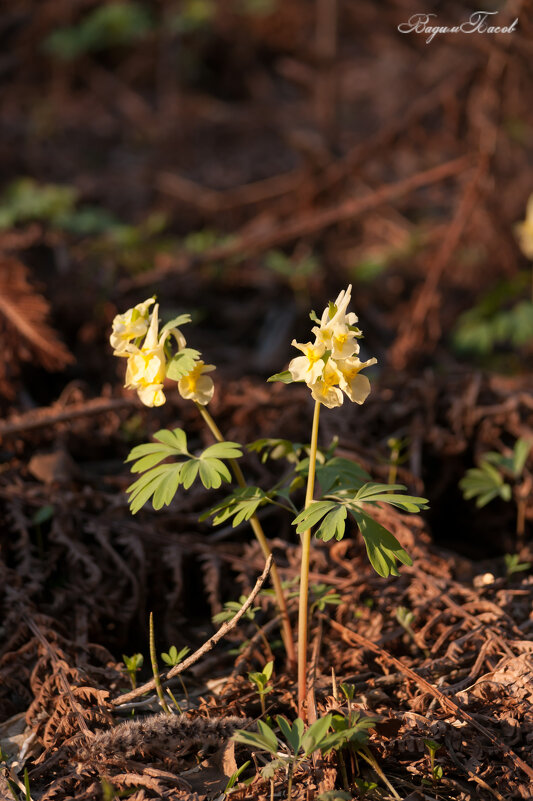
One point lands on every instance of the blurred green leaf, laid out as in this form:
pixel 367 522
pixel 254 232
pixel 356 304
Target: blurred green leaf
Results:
pixel 484 483
pixel 108 25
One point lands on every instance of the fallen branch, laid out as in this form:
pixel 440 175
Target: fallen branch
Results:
pixel 38 418
pixel 260 240
pixel 223 630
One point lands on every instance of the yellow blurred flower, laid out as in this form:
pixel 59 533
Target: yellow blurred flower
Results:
pixel 130 326
pixel 146 367
pixel 524 231
pixel 196 385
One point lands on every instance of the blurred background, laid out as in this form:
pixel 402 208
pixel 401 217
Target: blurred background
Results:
pixel 245 160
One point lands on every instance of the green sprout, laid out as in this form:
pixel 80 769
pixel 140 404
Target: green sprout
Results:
pixel 436 770
pixel 490 480
pixel 133 664
pixel 261 683
pixel 514 565
pixel 172 658
pixel 398 455
pixel 231 608
pixel 293 747
pixel 111 24
pixel 234 778
pixel 323 595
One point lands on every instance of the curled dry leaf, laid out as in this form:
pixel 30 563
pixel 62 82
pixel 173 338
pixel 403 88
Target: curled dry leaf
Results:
pixel 24 332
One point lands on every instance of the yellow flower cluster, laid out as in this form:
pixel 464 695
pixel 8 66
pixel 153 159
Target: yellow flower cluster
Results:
pixel 136 336
pixel 524 231
pixel 329 365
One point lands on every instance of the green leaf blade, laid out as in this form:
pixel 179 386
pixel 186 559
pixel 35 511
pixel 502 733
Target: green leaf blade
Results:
pixel 285 377
pixel 383 549
pixel 333 525
pixel 310 516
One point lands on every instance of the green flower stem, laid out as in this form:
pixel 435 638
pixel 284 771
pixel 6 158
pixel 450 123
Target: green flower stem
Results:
pixel 304 574
pixel 286 630
pixel 155 668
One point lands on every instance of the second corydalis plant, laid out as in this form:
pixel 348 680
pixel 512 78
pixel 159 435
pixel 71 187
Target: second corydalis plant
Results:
pixel 331 368
pixel 151 360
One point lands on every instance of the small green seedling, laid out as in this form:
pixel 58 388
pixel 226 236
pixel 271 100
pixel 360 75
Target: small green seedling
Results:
pixel 488 481
pixel 352 730
pixel 502 317
pixel 42 515
pixel 436 770
pixel 514 565
pixel 296 744
pixel 234 778
pixel 133 665
pixel 231 608
pixel 323 595
pixel 398 455
pixel 405 618
pixel 261 683
pixel 172 658
pixel 364 786
pixel 484 483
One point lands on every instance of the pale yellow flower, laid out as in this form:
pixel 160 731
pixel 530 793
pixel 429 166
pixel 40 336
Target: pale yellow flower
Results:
pixel 524 231
pixel 196 386
pixel 130 326
pixel 325 389
pixel 330 366
pixel 147 365
pixel 308 367
pixel 339 315
pixel 355 385
pixel 337 338
pixel 335 331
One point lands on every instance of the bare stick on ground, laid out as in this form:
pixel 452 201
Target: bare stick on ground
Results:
pixel 223 630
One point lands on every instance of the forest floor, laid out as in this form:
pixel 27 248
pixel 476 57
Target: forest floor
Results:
pixel 247 184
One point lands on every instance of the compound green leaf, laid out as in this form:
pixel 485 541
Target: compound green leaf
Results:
pixel 182 363
pixel 181 319
pixel 382 547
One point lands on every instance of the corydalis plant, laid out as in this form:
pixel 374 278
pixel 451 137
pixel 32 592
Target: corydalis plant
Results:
pixel 153 357
pixel 332 370
pixel 488 481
